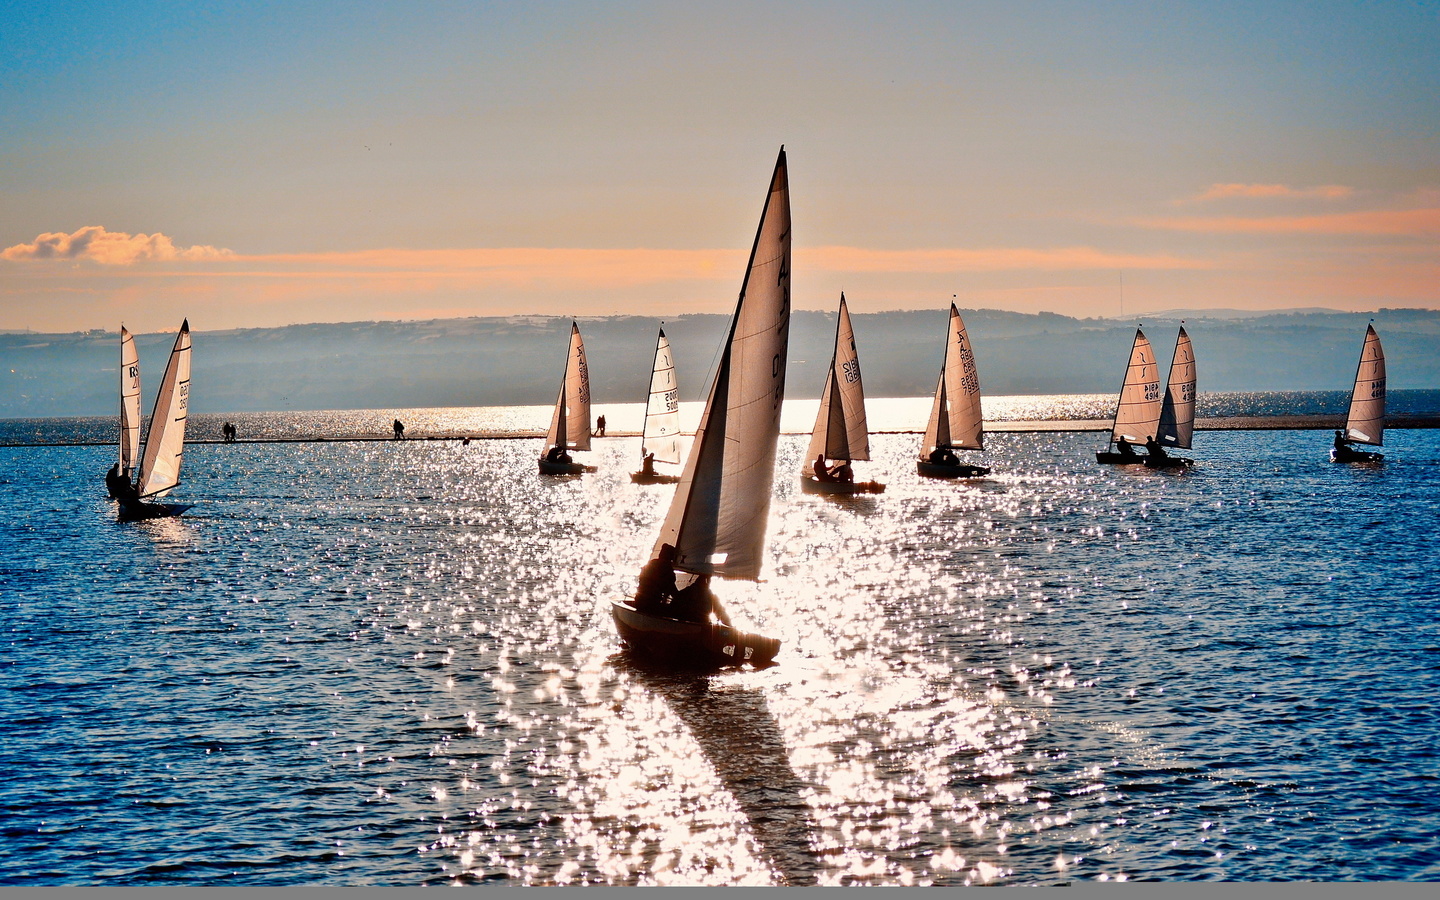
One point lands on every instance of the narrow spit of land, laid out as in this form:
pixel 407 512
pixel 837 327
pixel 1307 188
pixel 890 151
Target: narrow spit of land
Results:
pixel 1228 423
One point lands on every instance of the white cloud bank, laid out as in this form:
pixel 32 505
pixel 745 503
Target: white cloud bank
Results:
pixel 111 248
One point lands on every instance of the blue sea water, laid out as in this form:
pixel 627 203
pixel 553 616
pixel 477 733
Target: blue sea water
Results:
pixel 391 663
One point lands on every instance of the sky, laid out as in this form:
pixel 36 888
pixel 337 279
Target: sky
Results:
pixel 260 164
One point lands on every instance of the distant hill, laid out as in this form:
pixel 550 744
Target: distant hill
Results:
pixel 516 360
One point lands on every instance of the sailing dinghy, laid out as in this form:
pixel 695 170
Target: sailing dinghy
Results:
pixel 716 522
pixel 955 419
pixel 840 433
pixel 1137 416
pixel 1177 411
pixel 165 442
pixel 570 425
pixel 660 438
pixel 1365 423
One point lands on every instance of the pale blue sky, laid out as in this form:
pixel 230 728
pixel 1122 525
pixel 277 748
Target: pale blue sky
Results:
pixel 1020 155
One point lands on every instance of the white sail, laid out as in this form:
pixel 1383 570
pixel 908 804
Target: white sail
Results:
pixel 717 518
pixel 1366 422
pixel 955 418
pixel 165 444
pixel 1138 413
pixel 1177 412
pixel 570 425
pixel 840 430
pixel 129 402
pixel 661 435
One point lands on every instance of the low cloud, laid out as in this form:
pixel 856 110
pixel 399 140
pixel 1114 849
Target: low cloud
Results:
pixel 1272 192
pixel 111 248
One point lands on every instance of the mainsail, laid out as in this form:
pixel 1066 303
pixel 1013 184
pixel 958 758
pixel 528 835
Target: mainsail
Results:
pixel 661 435
pixel 1138 414
pixel 165 444
pixel 840 431
pixel 1366 422
pixel 955 418
pixel 129 402
pixel 1177 412
pixel 570 425
pixel 717 518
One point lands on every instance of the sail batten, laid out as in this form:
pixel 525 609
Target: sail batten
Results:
pixel 956 421
pixel 570 423
pixel 841 431
pixel 129 402
pixel 1365 422
pixel 717 518
pixel 165 444
pixel 1177 412
pixel 1138 413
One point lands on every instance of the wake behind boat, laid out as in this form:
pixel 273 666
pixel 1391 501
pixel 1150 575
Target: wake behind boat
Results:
pixel 660 438
pixel 716 522
pixel 1365 421
pixel 840 433
pixel 955 419
pixel 165 442
pixel 570 424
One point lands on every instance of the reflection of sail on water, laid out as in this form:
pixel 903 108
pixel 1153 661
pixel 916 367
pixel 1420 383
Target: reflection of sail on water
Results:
pixel 956 422
pixel 661 434
pixel 1138 413
pixel 1177 412
pixel 165 444
pixel 840 430
pixel 1365 423
pixel 717 518
pixel 129 402
pixel 570 424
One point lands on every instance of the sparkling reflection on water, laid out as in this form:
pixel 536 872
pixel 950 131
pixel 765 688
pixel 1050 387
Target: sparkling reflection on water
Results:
pixel 392 663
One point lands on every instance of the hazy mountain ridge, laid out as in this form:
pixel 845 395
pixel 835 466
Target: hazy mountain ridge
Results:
pixel 516 360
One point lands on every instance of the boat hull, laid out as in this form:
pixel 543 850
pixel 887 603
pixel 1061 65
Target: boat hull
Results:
pixel 689 645
pixel 136 511
pixel 938 470
pixel 809 485
pixel 1355 456
pixel 1110 457
pixel 559 468
pixel 654 478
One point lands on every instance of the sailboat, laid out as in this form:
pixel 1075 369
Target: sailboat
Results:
pixel 1177 410
pixel 117 480
pixel 1365 423
pixel 1137 416
pixel 716 522
pixel 840 432
pixel 570 425
pixel 165 442
pixel 660 438
pixel 955 419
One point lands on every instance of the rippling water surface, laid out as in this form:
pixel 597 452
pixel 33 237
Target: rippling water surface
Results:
pixel 392 663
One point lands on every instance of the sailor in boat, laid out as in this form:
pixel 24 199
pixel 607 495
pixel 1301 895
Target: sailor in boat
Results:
pixel 118 483
pixel 1126 449
pixel 1157 452
pixel 557 454
pixel 822 471
pixel 647 465
pixel 657 594
pixel 843 473
pixel 944 456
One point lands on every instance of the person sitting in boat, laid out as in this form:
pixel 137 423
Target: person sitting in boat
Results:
pixel 1342 443
pixel 1124 448
pixel 656 589
pixel 944 456
pixel 557 454
pixel 822 471
pixel 647 464
pixel 1152 447
pixel 843 473
pixel 118 484
pixel 696 603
